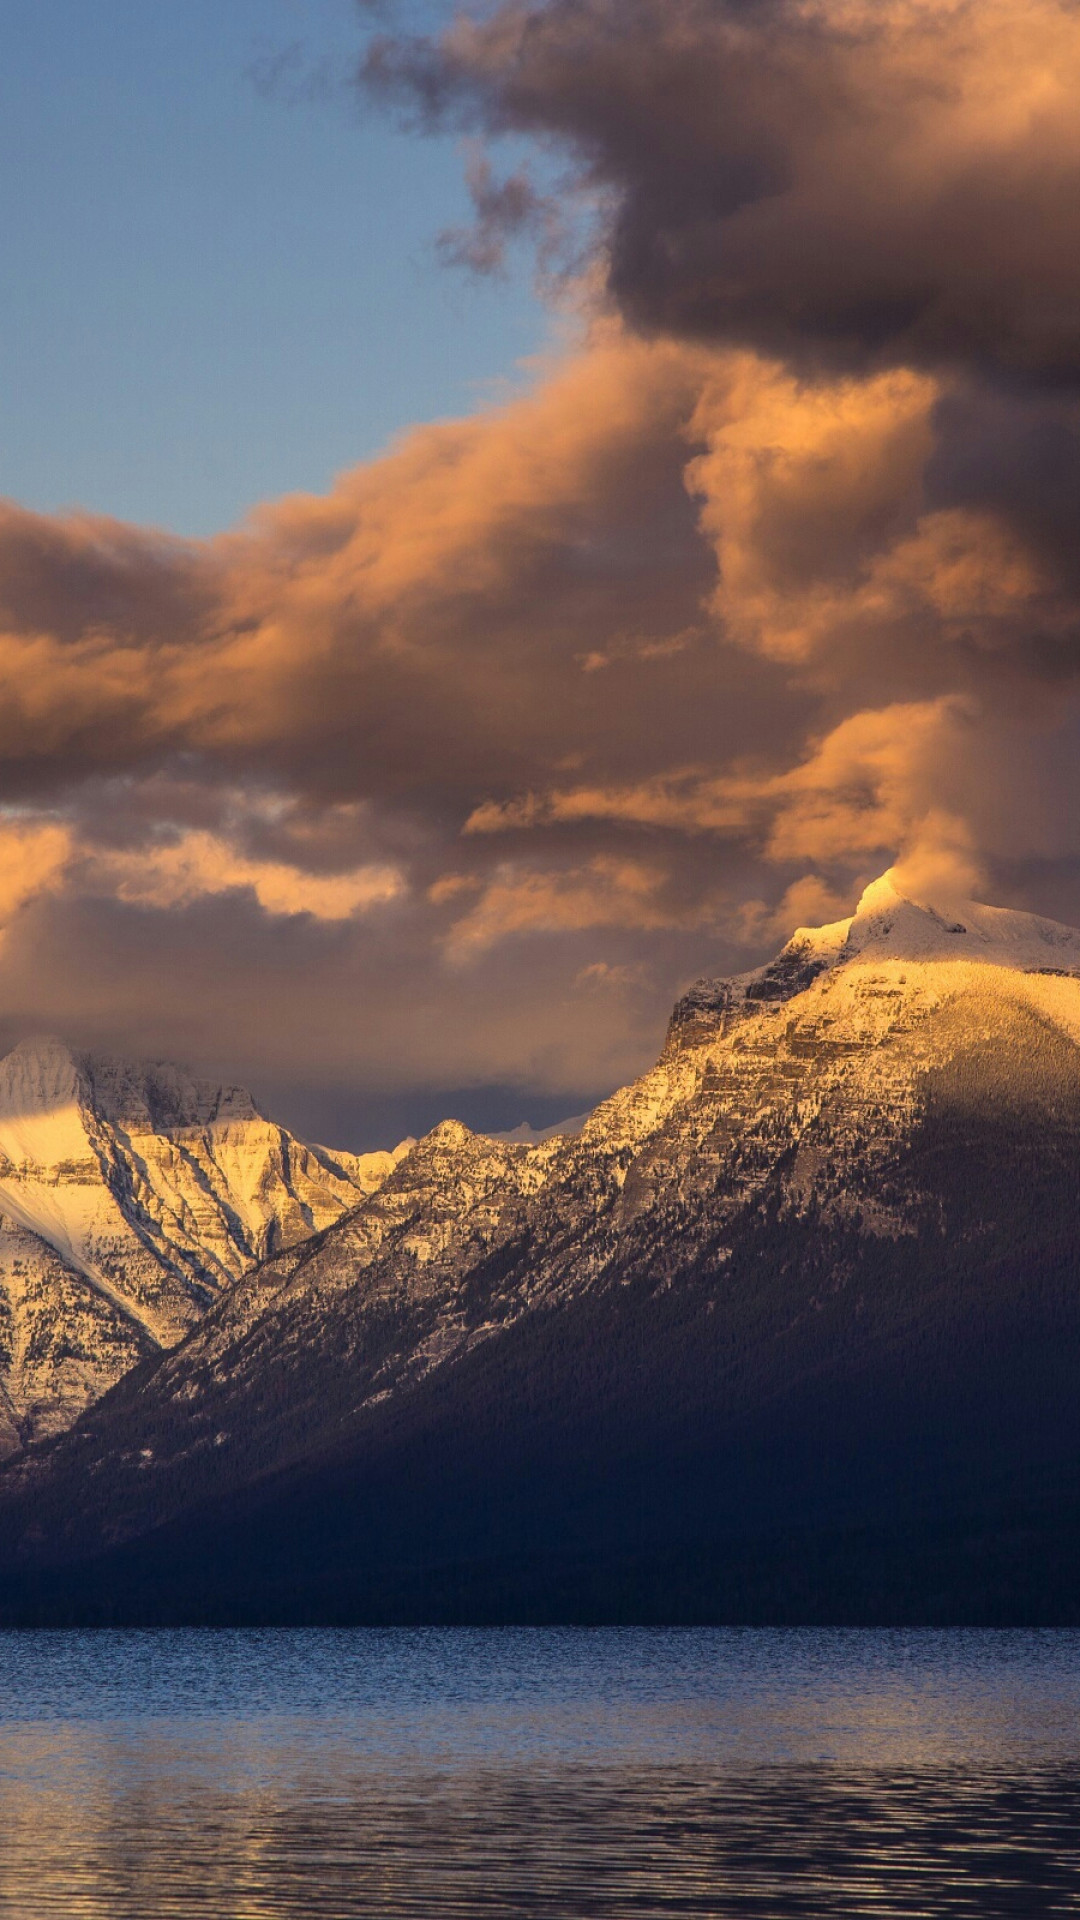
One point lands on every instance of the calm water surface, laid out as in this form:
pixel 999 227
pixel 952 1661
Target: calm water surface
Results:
pixel 535 1773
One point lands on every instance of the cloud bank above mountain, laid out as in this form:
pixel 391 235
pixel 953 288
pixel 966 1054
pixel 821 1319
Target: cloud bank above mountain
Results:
pixel 456 774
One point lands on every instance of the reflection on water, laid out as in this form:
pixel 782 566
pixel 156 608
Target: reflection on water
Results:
pixel 247 1776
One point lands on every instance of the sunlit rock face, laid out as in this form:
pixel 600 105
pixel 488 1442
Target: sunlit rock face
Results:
pixel 846 1194
pixel 130 1196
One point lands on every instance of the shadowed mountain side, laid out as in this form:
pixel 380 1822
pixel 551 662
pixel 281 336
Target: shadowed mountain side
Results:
pixel 650 1456
pixel 792 1330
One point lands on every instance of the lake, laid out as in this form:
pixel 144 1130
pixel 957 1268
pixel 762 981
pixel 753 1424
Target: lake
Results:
pixel 520 1772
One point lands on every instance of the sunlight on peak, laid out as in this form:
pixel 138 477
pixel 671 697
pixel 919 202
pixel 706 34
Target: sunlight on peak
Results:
pixel 888 922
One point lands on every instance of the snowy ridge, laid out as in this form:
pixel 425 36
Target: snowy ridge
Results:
pixel 131 1195
pixel 888 926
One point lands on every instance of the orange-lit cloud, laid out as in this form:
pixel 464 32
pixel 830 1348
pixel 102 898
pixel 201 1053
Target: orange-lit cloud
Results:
pixel 869 785
pixel 768 580
pixel 197 864
pixel 607 892
pixel 33 858
pixel 604 685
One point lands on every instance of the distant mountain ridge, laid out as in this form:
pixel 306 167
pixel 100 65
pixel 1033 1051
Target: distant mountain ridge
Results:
pixel 800 1306
pixel 131 1195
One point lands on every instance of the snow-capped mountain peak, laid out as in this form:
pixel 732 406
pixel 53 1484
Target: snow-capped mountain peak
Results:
pixel 40 1121
pixel 131 1194
pixel 889 925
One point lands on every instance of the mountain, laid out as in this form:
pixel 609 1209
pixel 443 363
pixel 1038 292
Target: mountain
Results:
pixel 131 1196
pixel 530 1136
pixel 789 1330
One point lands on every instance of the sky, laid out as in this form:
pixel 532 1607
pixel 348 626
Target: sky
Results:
pixel 511 508
pixel 219 278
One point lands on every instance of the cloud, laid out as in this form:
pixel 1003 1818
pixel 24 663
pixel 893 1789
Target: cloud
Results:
pixel 48 858
pixel 808 902
pixel 803 489
pixel 361 643
pixel 870 784
pixel 766 580
pixel 504 210
pixel 198 864
pixel 471 762
pixel 837 182
pixel 866 787
pixel 607 892
pixel 34 855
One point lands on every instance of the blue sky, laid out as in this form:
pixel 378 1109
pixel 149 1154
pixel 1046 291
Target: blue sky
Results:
pixel 211 294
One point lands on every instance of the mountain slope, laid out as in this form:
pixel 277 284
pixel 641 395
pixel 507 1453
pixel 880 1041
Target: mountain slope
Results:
pixel 819 1271
pixel 130 1196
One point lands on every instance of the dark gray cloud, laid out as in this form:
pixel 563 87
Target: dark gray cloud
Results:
pixel 504 210
pixel 841 182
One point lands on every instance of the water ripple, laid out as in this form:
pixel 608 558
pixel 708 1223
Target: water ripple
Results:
pixel 337 1776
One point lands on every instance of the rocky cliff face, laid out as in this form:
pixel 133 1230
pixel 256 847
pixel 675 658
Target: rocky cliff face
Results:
pixel 130 1196
pixel 836 1222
